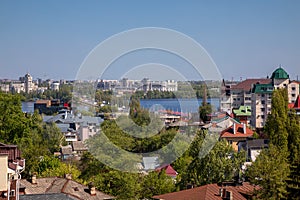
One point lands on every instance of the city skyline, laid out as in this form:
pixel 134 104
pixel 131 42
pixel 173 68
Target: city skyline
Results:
pixel 50 40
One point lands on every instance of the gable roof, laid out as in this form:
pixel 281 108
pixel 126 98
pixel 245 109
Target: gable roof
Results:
pixel 209 192
pixel 56 185
pixel 297 103
pixel 79 146
pixel 247 84
pixel 170 171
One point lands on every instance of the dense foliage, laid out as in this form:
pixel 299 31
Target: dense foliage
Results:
pixel 276 169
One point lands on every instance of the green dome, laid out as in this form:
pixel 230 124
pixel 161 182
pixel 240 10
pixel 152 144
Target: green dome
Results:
pixel 279 73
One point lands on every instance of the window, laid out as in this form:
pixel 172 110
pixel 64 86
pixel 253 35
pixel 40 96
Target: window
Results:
pixel 293 95
pixel 263 102
pixel 262 116
pixel 262 109
pixel 12 193
pixel 263 95
pixel 293 88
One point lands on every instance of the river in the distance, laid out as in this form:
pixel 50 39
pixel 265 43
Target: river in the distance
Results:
pixel 178 105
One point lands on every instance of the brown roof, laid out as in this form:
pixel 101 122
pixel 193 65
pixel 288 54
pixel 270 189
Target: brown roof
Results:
pixel 248 83
pixel 79 146
pixel 55 185
pixel 66 150
pixel 209 192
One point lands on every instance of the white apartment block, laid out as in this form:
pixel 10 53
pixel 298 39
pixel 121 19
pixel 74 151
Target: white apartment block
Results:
pixel 257 93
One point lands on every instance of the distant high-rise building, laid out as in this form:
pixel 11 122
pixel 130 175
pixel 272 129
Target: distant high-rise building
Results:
pixel 28 83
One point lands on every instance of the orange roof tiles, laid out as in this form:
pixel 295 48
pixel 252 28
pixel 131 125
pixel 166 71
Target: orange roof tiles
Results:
pixel 229 132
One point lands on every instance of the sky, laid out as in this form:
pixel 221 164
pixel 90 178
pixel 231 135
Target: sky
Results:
pixel 245 39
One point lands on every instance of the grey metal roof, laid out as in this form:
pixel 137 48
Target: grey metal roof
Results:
pixel 59 196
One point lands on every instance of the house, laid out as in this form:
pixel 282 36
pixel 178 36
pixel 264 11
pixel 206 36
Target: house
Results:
pixel 170 171
pixel 296 105
pixel 219 124
pixel 238 94
pixel 75 128
pixel 66 152
pixel 59 188
pixel 11 166
pixel 224 191
pixel 78 148
pixel 253 147
pixel 243 114
pixel 236 133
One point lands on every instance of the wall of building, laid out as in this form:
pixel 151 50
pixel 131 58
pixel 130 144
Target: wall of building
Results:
pixel 3 172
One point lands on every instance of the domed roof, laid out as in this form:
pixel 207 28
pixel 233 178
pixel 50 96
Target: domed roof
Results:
pixel 279 73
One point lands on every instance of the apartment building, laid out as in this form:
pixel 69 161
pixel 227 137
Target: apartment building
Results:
pixel 262 96
pixel 237 94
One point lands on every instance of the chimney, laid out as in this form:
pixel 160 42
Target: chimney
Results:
pixel 221 192
pixel 234 128
pixel 68 176
pixel 244 128
pixel 229 195
pixel 33 179
pixel 92 189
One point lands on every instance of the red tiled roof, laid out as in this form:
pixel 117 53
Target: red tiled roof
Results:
pixel 209 192
pixel 247 84
pixel 297 103
pixel 291 105
pixel 239 132
pixel 169 170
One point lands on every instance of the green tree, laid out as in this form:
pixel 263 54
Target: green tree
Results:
pixel 53 137
pixel 277 122
pixel 294 155
pixel 49 166
pixel 204 110
pixel 270 171
pixel 221 162
pixel 156 183
pixel 121 184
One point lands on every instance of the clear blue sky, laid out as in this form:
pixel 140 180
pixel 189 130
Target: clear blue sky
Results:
pixel 50 39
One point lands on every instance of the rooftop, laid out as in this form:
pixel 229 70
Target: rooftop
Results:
pixel 210 192
pixel 239 132
pixel 247 84
pixel 263 88
pixel 280 73
pixel 243 111
pixel 50 186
